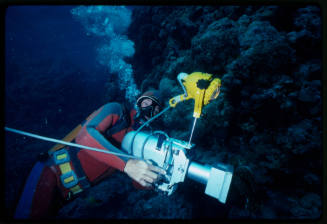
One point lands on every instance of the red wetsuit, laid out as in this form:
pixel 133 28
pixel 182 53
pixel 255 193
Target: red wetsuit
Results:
pixel 96 165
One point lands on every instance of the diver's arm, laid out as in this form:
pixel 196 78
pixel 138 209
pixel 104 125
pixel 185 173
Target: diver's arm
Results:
pixel 145 174
pixel 91 135
pixel 102 122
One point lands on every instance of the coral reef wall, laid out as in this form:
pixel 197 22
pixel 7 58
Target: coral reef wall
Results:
pixel 268 115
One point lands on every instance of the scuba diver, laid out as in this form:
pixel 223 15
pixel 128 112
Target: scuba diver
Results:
pixel 60 178
pixel 106 143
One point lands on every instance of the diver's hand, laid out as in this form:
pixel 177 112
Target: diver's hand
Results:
pixel 142 172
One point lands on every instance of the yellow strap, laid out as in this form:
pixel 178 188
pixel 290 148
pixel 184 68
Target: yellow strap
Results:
pixel 90 115
pixel 76 189
pixel 67 138
pixel 65 168
pixel 61 156
pixel 68 179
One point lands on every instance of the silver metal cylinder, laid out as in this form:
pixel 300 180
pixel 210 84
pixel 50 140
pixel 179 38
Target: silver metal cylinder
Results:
pixel 143 145
pixel 171 154
pixel 198 172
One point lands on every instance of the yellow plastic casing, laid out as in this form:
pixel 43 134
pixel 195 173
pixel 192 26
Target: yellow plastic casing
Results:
pixel 201 95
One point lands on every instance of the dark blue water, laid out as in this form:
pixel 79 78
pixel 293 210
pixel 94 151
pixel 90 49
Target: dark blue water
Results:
pixel 50 32
pixel 52 83
pixel 52 62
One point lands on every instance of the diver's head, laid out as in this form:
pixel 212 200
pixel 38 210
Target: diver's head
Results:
pixel 149 104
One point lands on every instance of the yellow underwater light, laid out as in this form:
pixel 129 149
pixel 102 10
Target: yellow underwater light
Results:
pixel 201 87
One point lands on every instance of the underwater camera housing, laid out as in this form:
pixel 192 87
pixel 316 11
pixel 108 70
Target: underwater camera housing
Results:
pixel 171 155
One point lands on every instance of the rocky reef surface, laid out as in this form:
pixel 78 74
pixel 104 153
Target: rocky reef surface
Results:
pixel 268 116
